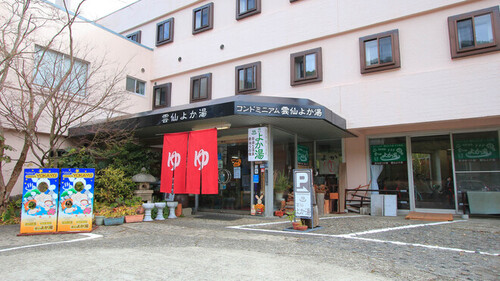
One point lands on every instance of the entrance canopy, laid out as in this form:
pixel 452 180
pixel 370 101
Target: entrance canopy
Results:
pixel 302 116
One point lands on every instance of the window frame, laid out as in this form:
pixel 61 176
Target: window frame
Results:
pixel 137 33
pixel 319 67
pixel 256 82
pixel 209 87
pixel 61 59
pixel 210 7
pixel 135 86
pixel 170 32
pixel 396 59
pixel 247 13
pixel 455 50
pixel 168 95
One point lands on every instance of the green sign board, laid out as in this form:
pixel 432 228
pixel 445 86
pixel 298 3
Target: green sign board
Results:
pixel 484 149
pixel 388 154
pixel 302 154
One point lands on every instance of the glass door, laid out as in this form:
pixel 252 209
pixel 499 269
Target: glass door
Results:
pixel 432 172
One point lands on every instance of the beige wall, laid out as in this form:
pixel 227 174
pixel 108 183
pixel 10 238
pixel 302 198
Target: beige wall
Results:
pixel 428 87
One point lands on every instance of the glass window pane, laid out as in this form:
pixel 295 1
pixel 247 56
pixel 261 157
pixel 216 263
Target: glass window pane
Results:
pixel 197 19
pixel 483 28
pixel 141 88
pixel 130 85
pixel 371 52
pixel 166 31
pixel 465 37
pixel 196 89
pixel 251 5
pixel 299 67
pixel 385 45
pixel 390 176
pixel 158 96
pixel 311 65
pixel 249 81
pixel 241 79
pixel 203 88
pixel 432 171
pixel 160 32
pixel 204 18
pixel 243 6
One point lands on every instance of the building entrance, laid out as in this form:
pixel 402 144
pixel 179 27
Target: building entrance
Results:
pixel 432 172
pixel 234 180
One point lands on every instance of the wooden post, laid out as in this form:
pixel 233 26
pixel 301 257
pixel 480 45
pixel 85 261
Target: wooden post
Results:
pixel 342 186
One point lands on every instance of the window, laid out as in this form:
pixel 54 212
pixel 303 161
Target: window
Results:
pixel 136 86
pixel 51 68
pixel 306 67
pixel 161 95
pixel 475 32
pixel 246 8
pixel 165 32
pixel 248 78
pixel 380 51
pixel 201 87
pixel 136 36
pixel 203 18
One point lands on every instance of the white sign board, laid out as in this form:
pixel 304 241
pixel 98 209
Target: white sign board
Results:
pixel 258 144
pixel 303 193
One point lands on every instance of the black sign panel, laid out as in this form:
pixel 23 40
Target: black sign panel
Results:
pixel 279 110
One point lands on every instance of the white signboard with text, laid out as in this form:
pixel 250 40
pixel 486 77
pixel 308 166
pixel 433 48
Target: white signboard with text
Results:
pixel 258 144
pixel 303 193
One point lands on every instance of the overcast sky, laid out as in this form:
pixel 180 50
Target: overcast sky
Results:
pixel 95 9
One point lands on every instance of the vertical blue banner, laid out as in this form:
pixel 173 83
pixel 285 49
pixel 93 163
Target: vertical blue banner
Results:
pixel 39 205
pixel 76 200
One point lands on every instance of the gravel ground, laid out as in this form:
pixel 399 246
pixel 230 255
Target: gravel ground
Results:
pixel 203 247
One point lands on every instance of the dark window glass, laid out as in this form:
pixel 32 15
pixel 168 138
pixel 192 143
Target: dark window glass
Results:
pixel 379 51
pixel 465 36
pixel 164 32
pixel 203 18
pixel 306 67
pixel 248 78
pixel 201 87
pixel 475 32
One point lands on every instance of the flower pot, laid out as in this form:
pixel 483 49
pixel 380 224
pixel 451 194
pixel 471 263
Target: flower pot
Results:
pixel 99 220
pixel 178 210
pixel 134 218
pixel 113 221
pixel 296 224
pixel 278 213
pixel 301 227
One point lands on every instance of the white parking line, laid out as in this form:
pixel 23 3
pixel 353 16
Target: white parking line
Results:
pixel 89 237
pixel 355 235
pixel 398 228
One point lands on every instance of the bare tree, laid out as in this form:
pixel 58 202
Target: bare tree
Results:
pixel 48 87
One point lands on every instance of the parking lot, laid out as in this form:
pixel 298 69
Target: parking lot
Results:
pixel 202 247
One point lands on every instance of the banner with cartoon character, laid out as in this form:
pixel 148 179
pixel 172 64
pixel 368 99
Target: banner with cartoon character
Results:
pixel 76 197
pixel 39 205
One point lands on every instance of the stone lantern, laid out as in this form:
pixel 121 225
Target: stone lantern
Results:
pixel 144 180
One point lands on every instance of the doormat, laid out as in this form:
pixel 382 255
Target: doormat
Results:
pixel 429 216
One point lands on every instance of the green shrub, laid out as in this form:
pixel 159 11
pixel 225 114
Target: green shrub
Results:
pixel 113 187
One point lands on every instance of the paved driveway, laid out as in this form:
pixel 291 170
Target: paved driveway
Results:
pixel 225 247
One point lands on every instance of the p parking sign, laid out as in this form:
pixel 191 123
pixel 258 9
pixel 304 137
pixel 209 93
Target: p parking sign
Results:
pixel 303 193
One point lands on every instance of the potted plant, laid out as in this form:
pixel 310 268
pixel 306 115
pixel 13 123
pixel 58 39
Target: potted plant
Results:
pixel 281 183
pixel 291 217
pixel 99 210
pixel 133 214
pixel 115 216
